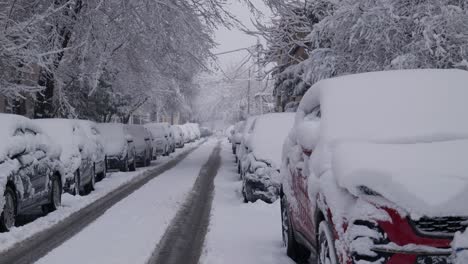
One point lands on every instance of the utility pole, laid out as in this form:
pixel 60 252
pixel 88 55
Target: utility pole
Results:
pixel 248 94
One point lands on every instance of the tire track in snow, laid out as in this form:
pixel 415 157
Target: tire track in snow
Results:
pixel 39 245
pixel 183 241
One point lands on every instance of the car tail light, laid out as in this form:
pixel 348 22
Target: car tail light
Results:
pixel 307 152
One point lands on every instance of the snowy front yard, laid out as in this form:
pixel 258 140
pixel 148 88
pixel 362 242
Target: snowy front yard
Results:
pixel 239 232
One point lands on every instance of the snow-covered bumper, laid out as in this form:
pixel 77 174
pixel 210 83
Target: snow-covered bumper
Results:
pixel 115 163
pixel 402 240
pixel 159 146
pixel 261 185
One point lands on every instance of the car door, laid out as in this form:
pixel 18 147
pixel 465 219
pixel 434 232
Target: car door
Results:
pixel 42 169
pixel 305 222
pixel 87 167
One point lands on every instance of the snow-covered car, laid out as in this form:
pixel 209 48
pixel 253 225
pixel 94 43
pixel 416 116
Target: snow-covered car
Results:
pixel 262 160
pixel 205 132
pixel 77 156
pixel 241 149
pixel 189 133
pixel 229 132
pixel 142 142
pixel 31 174
pixel 119 147
pixel 95 146
pixel 237 136
pixel 375 171
pixel 178 135
pixel 161 140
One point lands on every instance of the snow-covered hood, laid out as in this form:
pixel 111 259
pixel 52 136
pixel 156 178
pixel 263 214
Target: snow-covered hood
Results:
pixel 424 179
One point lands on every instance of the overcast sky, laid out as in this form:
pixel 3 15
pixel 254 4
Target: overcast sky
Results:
pixel 234 38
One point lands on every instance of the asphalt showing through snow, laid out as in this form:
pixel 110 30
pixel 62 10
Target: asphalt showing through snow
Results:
pixel 42 243
pixel 183 241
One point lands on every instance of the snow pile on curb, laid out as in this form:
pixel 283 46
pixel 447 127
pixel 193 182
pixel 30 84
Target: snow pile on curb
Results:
pixel 238 232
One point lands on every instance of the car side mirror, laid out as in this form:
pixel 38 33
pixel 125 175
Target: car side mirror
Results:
pixel 129 138
pixel 308 135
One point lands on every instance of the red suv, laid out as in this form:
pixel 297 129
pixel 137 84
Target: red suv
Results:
pixel 374 173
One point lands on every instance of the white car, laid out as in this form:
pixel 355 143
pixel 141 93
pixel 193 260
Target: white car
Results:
pixel 142 140
pixel 96 147
pixel 118 146
pixel 178 136
pixel 163 143
pixel 31 174
pixel 77 153
pixel 262 159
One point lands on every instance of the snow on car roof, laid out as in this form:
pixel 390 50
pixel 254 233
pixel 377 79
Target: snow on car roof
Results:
pixel 269 134
pixel 9 124
pixel 424 179
pixel 113 138
pixel 395 106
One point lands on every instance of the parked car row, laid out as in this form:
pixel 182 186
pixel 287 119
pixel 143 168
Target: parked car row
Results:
pixel 372 167
pixel 257 144
pixel 42 158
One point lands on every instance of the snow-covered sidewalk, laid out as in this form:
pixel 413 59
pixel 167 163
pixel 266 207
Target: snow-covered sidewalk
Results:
pixel 72 204
pixel 130 230
pixel 238 232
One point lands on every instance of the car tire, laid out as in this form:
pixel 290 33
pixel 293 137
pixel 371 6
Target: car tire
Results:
pixel 132 167
pixel 77 183
pixel 126 165
pixel 8 216
pixel 55 196
pixel 294 250
pixel 92 182
pixel 244 194
pixel 325 247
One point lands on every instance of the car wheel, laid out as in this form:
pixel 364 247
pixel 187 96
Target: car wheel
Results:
pixel 244 194
pixel 8 216
pixel 77 183
pixel 326 249
pixel 132 167
pixel 294 250
pixel 55 196
pixel 92 182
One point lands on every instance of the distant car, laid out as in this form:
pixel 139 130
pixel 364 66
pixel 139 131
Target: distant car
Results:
pixel 262 159
pixel 186 133
pixel 374 169
pixel 77 153
pixel 119 147
pixel 205 132
pixel 237 136
pixel 241 149
pixel 142 141
pixel 229 132
pixel 178 136
pixel 95 146
pixel 161 140
pixel 30 171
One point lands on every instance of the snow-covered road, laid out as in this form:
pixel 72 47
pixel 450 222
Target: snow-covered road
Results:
pixel 239 232
pixel 130 230
pixel 166 219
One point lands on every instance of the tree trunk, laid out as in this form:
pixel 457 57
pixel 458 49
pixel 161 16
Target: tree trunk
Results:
pixel 44 107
